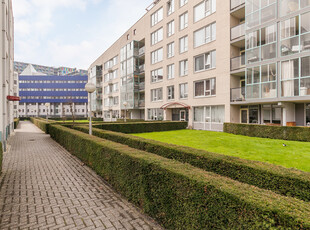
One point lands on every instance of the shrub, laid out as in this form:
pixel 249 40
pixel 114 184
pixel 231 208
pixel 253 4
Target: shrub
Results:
pixel 179 195
pixel 142 127
pixel 16 122
pixel 1 157
pixel 272 132
pixel 267 176
pixel 41 124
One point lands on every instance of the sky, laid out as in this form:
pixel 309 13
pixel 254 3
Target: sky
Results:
pixel 71 33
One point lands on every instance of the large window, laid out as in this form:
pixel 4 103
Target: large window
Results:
pixel 157 16
pixel 157 94
pixel 170 28
pixel 209 117
pixel 157 56
pixel 170 92
pixel 170 50
pixel 205 35
pixel 183 44
pixel 184 91
pixel 205 61
pixel 155 114
pixel 204 9
pixel 205 88
pixel 170 7
pixel 157 75
pixel 157 36
pixel 184 21
pixel 170 71
pixel 183 2
pixel 259 12
pixel 183 68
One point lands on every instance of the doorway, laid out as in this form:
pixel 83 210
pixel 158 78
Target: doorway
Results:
pixel 182 115
pixel 244 116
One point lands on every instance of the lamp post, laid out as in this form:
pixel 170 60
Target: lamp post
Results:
pixel 90 88
pixel 125 104
pixel 47 106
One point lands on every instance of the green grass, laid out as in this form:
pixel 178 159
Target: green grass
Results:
pixel 294 155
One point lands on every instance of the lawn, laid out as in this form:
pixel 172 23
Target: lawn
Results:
pixel 293 155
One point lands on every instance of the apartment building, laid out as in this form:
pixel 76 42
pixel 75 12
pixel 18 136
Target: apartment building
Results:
pixel 53 96
pixel 210 62
pixel 6 71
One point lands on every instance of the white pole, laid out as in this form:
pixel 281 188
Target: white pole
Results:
pixel 90 120
pixel 125 114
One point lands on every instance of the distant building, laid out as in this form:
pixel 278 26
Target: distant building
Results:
pixel 6 72
pixel 66 94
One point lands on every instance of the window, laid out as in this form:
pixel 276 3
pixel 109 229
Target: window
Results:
pixel 170 6
pixel 183 68
pixel 128 36
pixel 205 88
pixel 184 91
pixel 157 56
pixel 170 28
pixel 157 75
pixel 157 16
pixel 205 61
pixel 170 71
pixel 157 36
pixel 204 9
pixel 155 114
pixel 184 21
pixel 170 50
pixel 288 6
pixel 115 87
pixel 116 100
pixel 134 31
pixel 205 35
pixel 183 44
pixel 170 92
pixel 183 2
pixel 157 94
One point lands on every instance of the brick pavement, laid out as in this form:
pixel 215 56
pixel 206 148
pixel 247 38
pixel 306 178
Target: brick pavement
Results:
pixel 44 187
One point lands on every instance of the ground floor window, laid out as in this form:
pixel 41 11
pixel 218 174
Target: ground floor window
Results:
pixel 308 115
pixel 272 114
pixel 155 114
pixel 209 117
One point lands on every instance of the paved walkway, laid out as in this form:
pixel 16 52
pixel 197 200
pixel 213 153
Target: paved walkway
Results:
pixel 44 187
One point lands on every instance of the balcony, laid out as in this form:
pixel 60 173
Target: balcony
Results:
pixel 237 63
pixel 236 3
pixel 237 32
pixel 140 104
pixel 99 85
pixel 237 94
pixel 142 51
pixel 237 8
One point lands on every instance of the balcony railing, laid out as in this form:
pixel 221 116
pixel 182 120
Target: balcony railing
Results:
pixel 237 63
pixel 139 104
pixel 142 51
pixel 236 3
pixel 237 94
pixel 237 32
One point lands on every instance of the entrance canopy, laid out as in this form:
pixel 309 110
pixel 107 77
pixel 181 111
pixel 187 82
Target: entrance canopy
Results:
pixel 174 105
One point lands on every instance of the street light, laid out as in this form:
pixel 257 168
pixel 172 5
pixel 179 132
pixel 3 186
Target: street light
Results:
pixel 90 88
pixel 47 105
pixel 125 104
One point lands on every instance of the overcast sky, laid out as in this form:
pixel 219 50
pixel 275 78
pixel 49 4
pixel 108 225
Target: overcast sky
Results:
pixel 71 33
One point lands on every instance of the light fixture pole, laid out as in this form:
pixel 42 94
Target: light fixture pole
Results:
pixel 90 88
pixel 125 104
pixel 47 106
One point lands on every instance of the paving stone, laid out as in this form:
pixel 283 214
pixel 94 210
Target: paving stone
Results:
pixel 45 187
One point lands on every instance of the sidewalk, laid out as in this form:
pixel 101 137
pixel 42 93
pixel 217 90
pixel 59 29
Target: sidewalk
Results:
pixel 44 187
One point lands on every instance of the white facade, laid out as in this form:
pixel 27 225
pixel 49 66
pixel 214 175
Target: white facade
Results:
pixel 6 71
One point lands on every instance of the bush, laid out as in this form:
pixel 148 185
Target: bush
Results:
pixel 1 157
pixel 16 122
pixel 142 127
pixel 41 124
pixel 272 132
pixel 281 180
pixel 179 195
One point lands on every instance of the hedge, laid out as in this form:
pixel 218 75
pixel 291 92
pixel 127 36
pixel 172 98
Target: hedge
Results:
pixel 41 124
pixel 180 196
pixel 1 157
pixel 142 127
pixel 272 132
pixel 16 122
pixel 281 180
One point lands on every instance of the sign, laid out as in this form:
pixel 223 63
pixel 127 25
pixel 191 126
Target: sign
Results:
pixel 13 98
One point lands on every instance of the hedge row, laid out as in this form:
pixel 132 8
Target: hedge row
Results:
pixel 1 157
pixel 281 180
pixel 272 132
pixel 142 127
pixel 179 195
pixel 41 124
pixel 16 122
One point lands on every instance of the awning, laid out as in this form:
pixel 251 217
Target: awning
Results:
pixel 13 98
pixel 175 105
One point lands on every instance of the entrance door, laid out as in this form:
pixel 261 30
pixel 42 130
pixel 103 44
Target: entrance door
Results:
pixel 244 116
pixel 182 115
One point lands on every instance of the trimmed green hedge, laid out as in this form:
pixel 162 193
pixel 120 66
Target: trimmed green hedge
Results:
pixel 1 157
pixel 272 132
pixel 281 180
pixel 179 195
pixel 42 124
pixel 16 122
pixel 142 127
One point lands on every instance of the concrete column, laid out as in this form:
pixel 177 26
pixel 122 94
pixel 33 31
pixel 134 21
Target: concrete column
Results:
pixel 288 113
pixel 37 108
pixel 165 115
pixel 190 117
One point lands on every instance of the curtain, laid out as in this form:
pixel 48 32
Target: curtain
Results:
pixel 199 88
pixel 287 73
